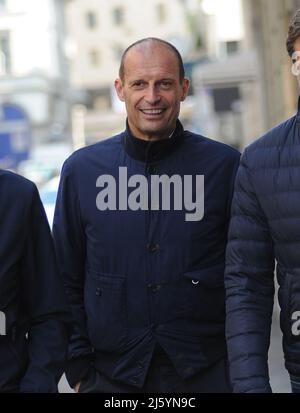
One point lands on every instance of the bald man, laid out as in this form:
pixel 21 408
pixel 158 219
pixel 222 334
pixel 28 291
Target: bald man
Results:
pixel 140 230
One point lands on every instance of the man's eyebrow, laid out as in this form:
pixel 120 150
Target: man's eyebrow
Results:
pixel 131 82
pixel 141 80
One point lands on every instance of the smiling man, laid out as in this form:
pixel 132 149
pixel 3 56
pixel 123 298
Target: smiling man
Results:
pixel 152 101
pixel 144 277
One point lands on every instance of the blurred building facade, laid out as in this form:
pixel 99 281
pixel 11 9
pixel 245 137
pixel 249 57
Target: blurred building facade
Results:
pixel 242 81
pixel 266 23
pixel 227 84
pixel 247 86
pixel 98 33
pixel 33 69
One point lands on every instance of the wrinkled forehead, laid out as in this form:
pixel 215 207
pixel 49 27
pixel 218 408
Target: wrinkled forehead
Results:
pixel 150 55
pixel 150 46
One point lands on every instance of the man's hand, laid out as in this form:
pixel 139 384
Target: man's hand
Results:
pixel 77 387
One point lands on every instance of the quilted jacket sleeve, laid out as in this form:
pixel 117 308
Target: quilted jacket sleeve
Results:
pixel 249 282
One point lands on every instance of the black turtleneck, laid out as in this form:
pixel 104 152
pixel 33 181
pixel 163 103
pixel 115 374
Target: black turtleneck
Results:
pixel 152 151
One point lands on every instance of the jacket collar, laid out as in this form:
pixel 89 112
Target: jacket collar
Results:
pixel 298 113
pixel 152 151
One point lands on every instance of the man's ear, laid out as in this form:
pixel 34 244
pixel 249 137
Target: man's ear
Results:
pixel 185 89
pixel 119 89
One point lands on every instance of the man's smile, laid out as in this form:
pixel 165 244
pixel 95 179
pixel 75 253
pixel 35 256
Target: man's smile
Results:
pixel 152 112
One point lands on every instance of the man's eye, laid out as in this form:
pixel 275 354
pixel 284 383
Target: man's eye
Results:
pixel 166 83
pixel 138 84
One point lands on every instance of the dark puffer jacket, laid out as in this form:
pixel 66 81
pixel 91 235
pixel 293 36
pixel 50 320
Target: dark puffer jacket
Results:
pixel 265 227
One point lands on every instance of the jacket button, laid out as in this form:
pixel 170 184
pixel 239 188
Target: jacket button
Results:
pixel 153 247
pixel 152 170
pixel 154 287
pixel 98 292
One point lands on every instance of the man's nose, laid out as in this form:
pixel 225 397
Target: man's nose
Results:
pixel 152 96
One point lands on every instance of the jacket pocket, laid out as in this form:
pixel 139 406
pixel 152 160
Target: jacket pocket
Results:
pixel 105 305
pixel 204 294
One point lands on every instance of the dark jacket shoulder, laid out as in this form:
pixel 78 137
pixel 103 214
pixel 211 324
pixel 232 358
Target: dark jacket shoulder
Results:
pixel 220 147
pixel 263 152
pixel 105 148
pixel 16 187
pixel 219 150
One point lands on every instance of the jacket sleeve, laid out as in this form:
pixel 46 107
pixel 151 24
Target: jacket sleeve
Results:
pixel 249 282
pixel 69 239
pixel 44 301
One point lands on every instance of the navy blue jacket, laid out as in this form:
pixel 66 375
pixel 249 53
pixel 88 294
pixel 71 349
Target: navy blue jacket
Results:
pixel 264 227
pixel 33 337
pixel 137 278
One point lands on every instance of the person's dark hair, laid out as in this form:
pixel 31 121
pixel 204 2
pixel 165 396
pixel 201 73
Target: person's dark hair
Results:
pixel 293 32
pixel 149 40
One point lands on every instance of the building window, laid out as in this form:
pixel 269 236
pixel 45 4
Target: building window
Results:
pixel 161 13
pixel 91 20
pixel 94 57
pixel 118 16
pixel 99 99
pixel 5 54
pixel 232 47
pixel 225 98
